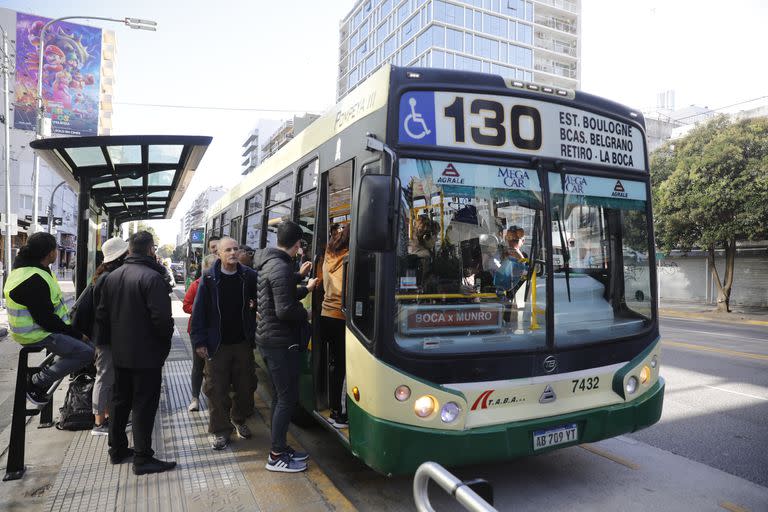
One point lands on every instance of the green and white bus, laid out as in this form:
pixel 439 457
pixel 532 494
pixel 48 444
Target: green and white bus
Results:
pixel 500 287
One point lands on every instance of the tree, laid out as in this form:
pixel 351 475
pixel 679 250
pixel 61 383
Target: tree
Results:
pixel 710 190
pixel 165 251
pixel 142 226
pixel 178 253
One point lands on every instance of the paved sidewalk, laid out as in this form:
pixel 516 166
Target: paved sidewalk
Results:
pixel 71 470
pixel 698 310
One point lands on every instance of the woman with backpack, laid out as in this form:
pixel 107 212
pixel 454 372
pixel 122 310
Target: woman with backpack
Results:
pixel 115 251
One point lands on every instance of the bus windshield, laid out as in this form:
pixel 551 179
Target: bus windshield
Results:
pixel 472 255
pixel 602 287
pixel 470 237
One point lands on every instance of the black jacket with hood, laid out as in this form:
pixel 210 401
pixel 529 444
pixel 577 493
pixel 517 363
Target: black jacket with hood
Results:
pixel 281 315
pixel 134 313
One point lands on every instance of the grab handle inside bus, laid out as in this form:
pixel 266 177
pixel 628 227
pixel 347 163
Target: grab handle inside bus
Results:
pixel 344 267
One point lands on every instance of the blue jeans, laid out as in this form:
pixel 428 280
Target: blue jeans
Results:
pixel 72 355
pixel 284 366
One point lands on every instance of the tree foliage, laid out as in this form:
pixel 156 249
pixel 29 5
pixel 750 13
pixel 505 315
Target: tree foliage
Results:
pixel 710 190
pixel 165 250
pixel 178 253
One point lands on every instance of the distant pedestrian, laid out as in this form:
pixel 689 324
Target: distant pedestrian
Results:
pixel 198 363
pixel 213 245
pixel 38 316
pixel 282 319
pixel 223 325
pixel 134 313
pixel 115 250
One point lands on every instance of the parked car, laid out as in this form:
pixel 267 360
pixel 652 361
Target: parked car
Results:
pixel 178 272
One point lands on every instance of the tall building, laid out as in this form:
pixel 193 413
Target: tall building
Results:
pixel 79 71
pixel 195 216
pixel 269 136
pixel 530 40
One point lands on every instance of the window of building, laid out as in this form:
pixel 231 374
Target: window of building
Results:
pixel 449 13
pixel 494 25
pixel 454 39
pixel 485 47
pixel 370 64
pixel 512 30
pixel 381 33
pixel 449 61
pixel 386 7
pixel 390 46
pixel 363 30
pixel 411 27
pixel 468 40
pixel 26 202
pixel 408 54
pixel 438 59
pixel 403 12
pixel 524 33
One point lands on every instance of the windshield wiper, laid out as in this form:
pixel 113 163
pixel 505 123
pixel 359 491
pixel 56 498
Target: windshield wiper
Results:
pixel 563 244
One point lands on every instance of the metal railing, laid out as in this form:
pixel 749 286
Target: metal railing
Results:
pixel 462 491
pixel 562 4
pixel 557 24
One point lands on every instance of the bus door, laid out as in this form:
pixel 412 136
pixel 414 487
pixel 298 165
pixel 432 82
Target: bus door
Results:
pixel 334 213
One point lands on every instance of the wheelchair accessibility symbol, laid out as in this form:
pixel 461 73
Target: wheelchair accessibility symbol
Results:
pixel 414 124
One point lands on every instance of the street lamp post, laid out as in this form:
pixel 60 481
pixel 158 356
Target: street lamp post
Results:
pixel 5 68
pixel 134 23
pixel 50 207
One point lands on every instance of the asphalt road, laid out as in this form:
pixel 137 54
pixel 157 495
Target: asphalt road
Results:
pixel 708 452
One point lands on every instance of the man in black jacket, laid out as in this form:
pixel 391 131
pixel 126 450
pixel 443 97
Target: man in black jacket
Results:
pixel 281 318
pixel 134 313
pixel 223 325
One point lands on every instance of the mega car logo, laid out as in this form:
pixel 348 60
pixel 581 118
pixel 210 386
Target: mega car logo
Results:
pixel 485 400
pixel 450 176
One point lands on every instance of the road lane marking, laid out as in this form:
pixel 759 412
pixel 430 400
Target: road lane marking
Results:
pixel 736 392
pixel 727 505
pixel 748 355
pixel 609 456
pixel 739 337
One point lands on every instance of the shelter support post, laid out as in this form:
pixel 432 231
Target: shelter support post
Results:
pixel 83 219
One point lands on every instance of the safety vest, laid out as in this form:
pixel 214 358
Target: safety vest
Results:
pixel 23 327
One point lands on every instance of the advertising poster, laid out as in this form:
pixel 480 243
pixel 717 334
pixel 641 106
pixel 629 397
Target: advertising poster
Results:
pixel 71 63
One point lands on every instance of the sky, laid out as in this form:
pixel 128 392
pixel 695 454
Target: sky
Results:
pixel 259 59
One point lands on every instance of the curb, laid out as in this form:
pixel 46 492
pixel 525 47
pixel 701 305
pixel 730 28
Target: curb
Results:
pixel 671 313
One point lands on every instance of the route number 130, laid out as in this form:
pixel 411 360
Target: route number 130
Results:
pixel 494 130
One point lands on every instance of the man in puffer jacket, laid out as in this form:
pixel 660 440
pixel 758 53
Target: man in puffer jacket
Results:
pixel 281 318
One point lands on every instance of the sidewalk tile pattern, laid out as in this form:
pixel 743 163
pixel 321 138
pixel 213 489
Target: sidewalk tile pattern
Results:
pixel 204 480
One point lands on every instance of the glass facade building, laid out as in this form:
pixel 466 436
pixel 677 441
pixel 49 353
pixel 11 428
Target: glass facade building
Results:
pixel 530 40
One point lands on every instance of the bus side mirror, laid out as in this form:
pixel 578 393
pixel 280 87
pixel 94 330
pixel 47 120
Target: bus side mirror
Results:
pixel 375 213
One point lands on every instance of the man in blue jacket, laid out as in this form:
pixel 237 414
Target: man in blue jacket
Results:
pixel 223 327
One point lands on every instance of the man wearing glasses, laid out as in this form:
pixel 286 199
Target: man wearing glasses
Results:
pixel 245 255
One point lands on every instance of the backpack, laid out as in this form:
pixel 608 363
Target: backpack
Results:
pixel 76 413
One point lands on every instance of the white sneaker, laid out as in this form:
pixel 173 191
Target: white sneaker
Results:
pixel 194 405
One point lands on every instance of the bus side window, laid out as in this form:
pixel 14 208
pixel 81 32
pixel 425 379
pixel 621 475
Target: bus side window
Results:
pixel 362 309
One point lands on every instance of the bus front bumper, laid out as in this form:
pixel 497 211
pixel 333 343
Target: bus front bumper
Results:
pixel 395 448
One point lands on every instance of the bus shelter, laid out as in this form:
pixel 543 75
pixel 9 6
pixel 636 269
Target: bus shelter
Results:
pixel 119 179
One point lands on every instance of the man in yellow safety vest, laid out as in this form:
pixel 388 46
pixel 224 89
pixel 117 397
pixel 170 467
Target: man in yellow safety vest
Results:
pixel 38 316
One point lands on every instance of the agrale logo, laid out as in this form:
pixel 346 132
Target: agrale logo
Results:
pixel 618 190
pixel 485 400
pixel 450 176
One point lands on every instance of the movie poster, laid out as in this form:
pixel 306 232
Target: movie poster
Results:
pixel 71 63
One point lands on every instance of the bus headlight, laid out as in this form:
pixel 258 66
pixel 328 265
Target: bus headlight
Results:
pixel 631 386
pixel 654 362
pixel 450 412
pixel 402 393
pixel 425 406
pixel 645 374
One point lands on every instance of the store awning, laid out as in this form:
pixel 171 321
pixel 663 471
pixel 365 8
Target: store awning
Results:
pixel 133 177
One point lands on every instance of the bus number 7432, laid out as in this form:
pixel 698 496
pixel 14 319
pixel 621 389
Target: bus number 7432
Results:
pixel 587 384
pixel 494 131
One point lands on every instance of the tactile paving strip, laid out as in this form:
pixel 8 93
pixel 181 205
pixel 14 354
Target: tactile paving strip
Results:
pixel 204 480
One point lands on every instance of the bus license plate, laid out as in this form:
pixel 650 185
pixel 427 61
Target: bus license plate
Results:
pixel 552 437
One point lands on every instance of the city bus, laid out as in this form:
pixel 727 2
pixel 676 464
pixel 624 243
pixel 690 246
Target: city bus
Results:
pixel 500 290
